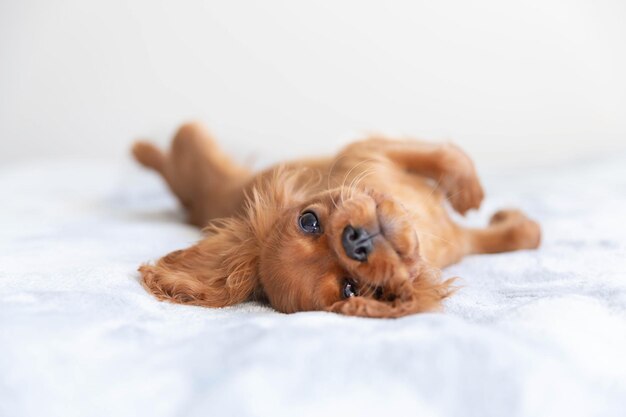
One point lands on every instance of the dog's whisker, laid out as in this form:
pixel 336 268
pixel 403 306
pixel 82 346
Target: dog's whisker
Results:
pixel 330 174
pixel 358 179
pixel 437 237
pixel 436 187
pixel 347 175
pixel 449 197
pixel 365 291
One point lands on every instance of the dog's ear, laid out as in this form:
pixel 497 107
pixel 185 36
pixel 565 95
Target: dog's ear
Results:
pixel 218 271
pixel 222 269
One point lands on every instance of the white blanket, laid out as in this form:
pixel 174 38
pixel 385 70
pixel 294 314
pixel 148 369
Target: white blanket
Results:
pixel 533 333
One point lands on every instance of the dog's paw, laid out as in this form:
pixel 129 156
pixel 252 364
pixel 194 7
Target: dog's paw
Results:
pixel 396 227
pixel 460 181
pixel 464 193
pixel 522 232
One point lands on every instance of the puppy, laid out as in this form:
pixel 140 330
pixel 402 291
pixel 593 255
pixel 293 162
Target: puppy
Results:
pixel 363 233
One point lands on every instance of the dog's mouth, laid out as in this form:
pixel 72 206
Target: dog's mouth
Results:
pixel 373 238
pixel 353 288
pixel 392 280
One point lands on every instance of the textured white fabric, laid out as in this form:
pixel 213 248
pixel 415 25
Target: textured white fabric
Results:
pixel 538 333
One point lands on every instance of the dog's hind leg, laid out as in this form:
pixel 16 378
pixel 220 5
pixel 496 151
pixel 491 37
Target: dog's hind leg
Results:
pixel 508 230
pixel 205 180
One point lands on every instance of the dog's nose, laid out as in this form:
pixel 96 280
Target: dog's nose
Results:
pixel 357 243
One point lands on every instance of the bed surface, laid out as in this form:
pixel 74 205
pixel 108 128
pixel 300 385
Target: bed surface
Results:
pixel 532 333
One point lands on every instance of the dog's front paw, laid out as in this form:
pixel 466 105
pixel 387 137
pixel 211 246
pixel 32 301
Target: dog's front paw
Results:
pixel 464 192
pixel 460 181
pixel 396 226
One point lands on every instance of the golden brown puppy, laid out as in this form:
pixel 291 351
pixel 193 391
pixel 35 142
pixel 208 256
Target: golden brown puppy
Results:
pixel 363 233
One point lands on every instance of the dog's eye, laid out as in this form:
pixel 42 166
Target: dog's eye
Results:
pixel 349 289
pixel 309 223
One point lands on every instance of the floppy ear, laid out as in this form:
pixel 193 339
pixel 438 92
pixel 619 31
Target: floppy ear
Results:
pixel 222 269
pixel 218 271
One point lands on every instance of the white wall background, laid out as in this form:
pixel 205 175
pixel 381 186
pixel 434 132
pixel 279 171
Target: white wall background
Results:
pixel 528 82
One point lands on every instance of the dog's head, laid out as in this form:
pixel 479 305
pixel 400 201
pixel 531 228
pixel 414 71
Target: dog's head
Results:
pixel 348 250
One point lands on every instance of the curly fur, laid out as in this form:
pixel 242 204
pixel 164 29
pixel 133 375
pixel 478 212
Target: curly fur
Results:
pixel 254 250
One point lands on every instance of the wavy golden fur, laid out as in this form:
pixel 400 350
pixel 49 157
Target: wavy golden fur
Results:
pixel 363 233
